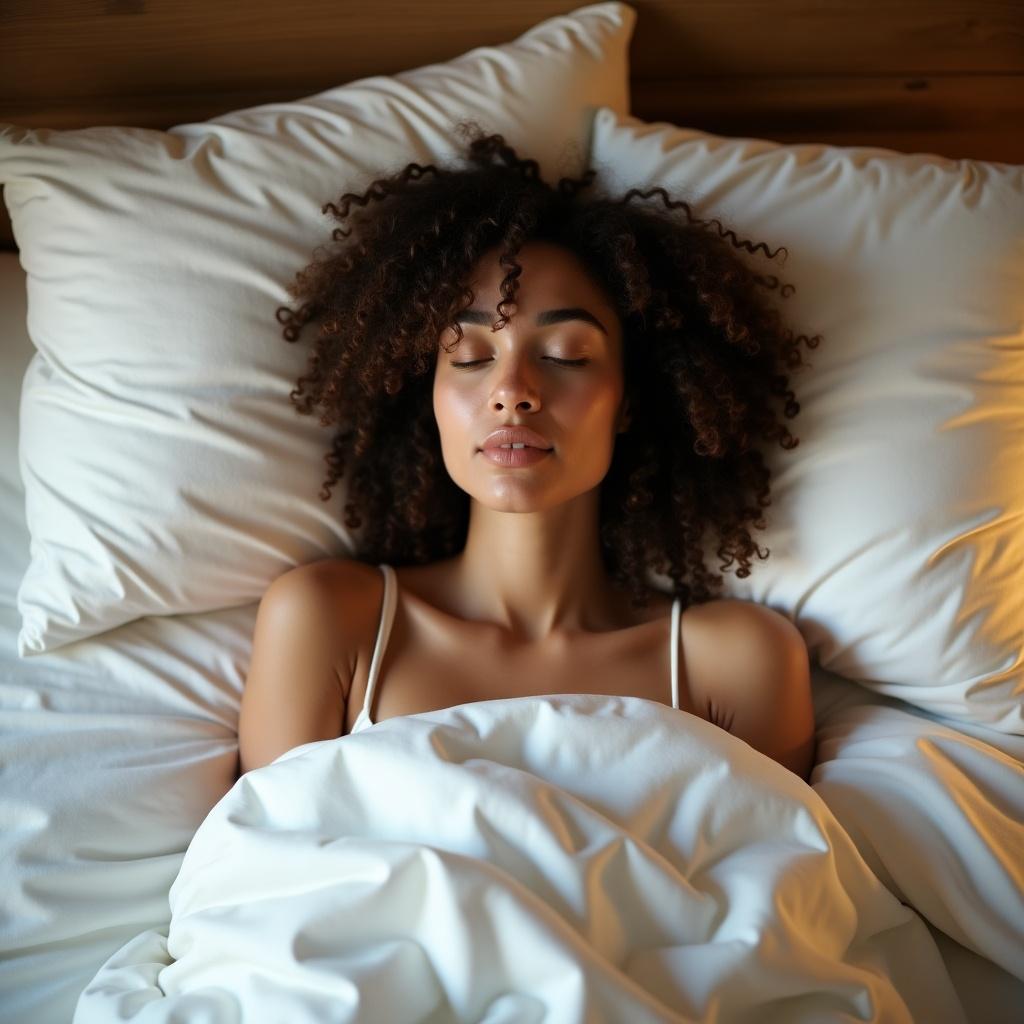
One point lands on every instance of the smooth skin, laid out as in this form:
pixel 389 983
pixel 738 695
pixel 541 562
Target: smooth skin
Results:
pixel 531 566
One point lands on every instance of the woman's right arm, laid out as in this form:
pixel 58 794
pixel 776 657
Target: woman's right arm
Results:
pixel 298 677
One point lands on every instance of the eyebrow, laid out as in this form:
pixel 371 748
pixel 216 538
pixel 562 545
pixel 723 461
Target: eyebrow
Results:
pixel 552 316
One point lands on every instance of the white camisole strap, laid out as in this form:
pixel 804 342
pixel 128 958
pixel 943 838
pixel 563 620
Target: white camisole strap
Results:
pixel 387 617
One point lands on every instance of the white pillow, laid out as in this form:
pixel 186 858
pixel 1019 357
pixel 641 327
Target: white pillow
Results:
pixel 165 468
pixel 896 529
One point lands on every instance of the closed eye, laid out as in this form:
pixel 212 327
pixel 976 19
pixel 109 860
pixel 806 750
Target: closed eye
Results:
pixel 561 362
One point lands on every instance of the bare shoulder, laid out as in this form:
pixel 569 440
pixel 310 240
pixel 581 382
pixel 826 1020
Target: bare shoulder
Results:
pixel 329 602
pixel 749 674
pixel 323 574
pixel 344 582
pixel 730 645
pixel 730 619
pixel 304 646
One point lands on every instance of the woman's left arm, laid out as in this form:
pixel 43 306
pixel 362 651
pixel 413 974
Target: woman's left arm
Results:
pixel 762 689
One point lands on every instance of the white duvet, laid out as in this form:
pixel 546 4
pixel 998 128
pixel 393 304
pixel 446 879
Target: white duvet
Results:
pixel 558 858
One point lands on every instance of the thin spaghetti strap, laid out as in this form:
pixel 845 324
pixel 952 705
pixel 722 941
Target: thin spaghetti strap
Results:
pixel 387 617
pixel 674 633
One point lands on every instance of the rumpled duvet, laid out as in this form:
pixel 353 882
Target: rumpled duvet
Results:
pixel 561 858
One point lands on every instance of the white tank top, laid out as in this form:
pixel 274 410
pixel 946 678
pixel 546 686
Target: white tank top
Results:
pixel 387 617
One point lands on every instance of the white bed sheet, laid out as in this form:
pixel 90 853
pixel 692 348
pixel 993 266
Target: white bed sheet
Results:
pixel 114 751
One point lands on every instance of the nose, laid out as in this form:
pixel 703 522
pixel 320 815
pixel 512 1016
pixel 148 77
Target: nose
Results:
pixel 516 388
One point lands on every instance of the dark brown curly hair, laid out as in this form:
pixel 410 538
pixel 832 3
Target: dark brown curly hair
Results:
pixel 704 356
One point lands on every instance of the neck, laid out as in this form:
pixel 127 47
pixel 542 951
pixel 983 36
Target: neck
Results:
pixel 539 574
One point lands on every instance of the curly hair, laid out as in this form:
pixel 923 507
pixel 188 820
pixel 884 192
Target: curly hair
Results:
pixel 704 355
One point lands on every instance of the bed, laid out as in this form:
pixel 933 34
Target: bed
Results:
pixel 563 858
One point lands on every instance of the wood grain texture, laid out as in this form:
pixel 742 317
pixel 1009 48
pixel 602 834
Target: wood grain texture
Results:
pixel 977 116
pixel 56 49
pixel 938 76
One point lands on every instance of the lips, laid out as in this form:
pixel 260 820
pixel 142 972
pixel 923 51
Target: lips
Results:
pixel 512 457
pixel 516 435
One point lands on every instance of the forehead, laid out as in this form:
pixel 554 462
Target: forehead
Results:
pixel 548 271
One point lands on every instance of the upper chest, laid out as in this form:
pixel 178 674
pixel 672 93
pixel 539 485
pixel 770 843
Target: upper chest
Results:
pixel 433 660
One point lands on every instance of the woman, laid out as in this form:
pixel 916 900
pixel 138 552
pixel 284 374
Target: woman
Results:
pixel 639 366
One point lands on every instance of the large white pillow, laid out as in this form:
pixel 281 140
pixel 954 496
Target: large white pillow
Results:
pixel 165 469
pixel 896 529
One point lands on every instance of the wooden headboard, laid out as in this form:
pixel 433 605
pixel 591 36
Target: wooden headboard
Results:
pixel 938 76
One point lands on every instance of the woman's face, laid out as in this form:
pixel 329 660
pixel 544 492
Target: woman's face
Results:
pixel 515 378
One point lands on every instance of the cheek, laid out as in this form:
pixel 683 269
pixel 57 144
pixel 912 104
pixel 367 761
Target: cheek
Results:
pixel 453 411
pixel 593 407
